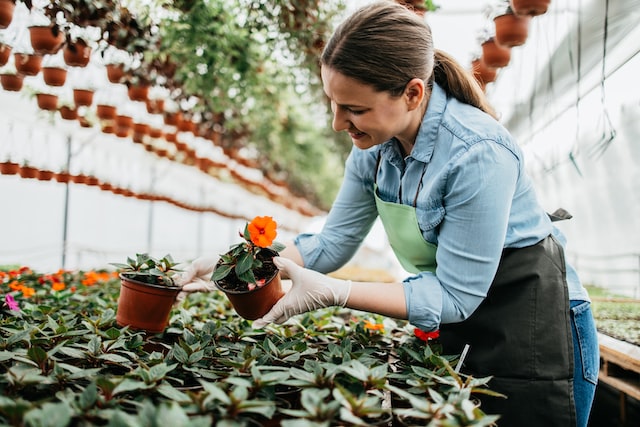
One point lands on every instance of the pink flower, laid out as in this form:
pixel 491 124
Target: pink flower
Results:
pixel 11 302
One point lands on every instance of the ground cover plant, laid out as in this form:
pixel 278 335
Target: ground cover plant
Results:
pixel 64 361
pixel 616 316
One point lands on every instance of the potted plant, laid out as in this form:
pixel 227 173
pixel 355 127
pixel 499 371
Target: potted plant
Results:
pixel 147 292
pixel 246 273
pixel 10 78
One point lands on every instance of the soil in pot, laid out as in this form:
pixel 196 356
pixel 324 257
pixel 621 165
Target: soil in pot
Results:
pixel 144 306
pixel 253 304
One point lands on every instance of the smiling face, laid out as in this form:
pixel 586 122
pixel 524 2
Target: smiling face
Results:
pixel 371 117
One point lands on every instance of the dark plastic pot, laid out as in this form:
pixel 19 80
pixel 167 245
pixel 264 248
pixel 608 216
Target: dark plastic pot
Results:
pixel 144 306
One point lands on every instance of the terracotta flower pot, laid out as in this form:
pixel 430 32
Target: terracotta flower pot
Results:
pixel 144 306
pixel 530 7
pixel 28 64
pixel 256 303
pixel 5 52
pixel 511 29
pixel 483 73
pixel 68 113
pixel 124 121
pixel 9 168
pixel 83 97
pixel 47 101
pixel 106 112
pixel 45 175
pixel 7 7
pixel 54 76
pixel 138 92
pixel 12 82
pixel 62 177
pixel 495 55
pixel 28 172
pixel 155 106
pixel 115 72
pixel 77 54
pixel 46 39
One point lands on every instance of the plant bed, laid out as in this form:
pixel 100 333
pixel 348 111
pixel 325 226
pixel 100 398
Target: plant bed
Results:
pixel 66 361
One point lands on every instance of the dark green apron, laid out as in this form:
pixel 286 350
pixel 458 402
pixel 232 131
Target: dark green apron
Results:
pixel 520 334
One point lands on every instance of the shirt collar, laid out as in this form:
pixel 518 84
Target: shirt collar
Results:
pixel 427 133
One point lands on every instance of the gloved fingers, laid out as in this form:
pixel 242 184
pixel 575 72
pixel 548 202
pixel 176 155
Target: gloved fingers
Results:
pixel 199 285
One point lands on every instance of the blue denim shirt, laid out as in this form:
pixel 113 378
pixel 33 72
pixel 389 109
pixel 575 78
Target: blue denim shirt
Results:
pixel 473 199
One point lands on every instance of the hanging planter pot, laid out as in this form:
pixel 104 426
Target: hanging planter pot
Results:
pixel 46 39
pixel 83 97
pixel 123 121
pixel 115 72
pixel 7 8
pixel 68 113
pixel 54 76
pixel 28 64
pixel 12 82
pixel 5 52
pixel 155 106
pixel 530 7
pixel 483 73
pixel 106 112
pixel 77 54
pixel 511 29
pixel 62 177
pixel 138 92
pixel 44 175
pixel 47 101
pixel 28 171
pixel 9 168
pixel 495 55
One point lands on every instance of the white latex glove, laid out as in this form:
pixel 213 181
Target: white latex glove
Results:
pixel 196 277
pixel 309 291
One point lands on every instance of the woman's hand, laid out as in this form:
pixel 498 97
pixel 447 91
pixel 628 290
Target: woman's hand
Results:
pixel 309 291
pixel 196 277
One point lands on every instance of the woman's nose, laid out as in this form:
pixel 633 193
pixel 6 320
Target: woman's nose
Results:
pixel 340 121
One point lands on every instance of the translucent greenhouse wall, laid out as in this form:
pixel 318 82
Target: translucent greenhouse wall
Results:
pixel 573 103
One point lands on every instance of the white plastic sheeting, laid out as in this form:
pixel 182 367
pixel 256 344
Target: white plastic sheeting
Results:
pixel 578 118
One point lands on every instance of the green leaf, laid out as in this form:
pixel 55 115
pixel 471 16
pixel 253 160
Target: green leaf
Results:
pixel 129 384
pixel 245 263
pixel 170 392
pixel 221 272
pixel 88 397
pixel 49 414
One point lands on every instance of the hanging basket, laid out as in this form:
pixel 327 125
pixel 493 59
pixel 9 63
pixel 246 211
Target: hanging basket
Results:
pixel 9 168
pixel 483 73
pixel 46 40
pixel 28 64
pixel 511 29
pixel 54 76
pixel 530 7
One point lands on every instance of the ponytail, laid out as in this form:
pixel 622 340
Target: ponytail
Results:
pixel 459 83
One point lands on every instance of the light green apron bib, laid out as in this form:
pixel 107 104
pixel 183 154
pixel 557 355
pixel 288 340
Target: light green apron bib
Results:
pixel 401 225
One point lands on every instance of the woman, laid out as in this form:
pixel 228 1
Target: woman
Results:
pixel 461 215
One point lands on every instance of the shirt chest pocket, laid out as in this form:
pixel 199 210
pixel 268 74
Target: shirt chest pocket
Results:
pixel 429 218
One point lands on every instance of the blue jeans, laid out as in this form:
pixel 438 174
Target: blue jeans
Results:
pixel 586 357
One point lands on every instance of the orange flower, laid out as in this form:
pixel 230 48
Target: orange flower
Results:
pixel 28 292
pixel 262 231
pixel 373 326
pixel 58 286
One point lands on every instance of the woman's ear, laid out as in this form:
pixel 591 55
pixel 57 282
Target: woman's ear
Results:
pixel 414 93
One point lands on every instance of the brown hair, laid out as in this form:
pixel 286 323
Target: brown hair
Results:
pixel 385 45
